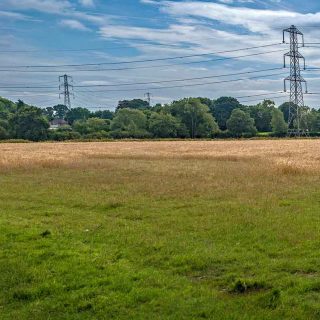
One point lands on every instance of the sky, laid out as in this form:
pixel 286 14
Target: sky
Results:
pixel 122 49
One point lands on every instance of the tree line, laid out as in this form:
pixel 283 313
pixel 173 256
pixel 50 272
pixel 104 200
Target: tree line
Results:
pixel 188 118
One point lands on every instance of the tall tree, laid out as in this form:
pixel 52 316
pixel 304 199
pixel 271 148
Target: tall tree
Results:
pixel 103 114
pixel 240 124
pixel 129 123
pixel 195 116
pixel 222 109
pixel 313 120
pixel 77 114
pixel 29 123
pixel 279 125
pixel 262 115
pixel 6 107
pixel 60 111
pixel 163 125
pixel 4 126
pixel 284 108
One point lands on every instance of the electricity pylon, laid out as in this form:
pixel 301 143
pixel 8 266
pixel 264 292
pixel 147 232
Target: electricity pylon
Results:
pixel 148 96
pixel 296 125
pixel 65 84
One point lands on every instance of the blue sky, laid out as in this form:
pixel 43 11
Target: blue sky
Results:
pixel 35 32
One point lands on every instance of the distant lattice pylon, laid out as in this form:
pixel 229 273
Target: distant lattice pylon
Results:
pixel 297 110
pixel 65 81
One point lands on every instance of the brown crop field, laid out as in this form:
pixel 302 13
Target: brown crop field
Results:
pixel 302 154
pixel 160 230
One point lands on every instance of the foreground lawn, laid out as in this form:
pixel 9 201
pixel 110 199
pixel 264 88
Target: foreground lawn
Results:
pixel 160 230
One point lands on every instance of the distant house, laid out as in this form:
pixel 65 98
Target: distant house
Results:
pixel 58 123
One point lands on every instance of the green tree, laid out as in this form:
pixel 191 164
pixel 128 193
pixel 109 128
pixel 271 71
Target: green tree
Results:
pixel 195 118
pixel 313 120
pixel 262 115
pixel 208 102
pixel 4 126
pixel 103 114
pixel 240 124
pixel 20 104
pixel 49 113
pixel 157 108
pixel 279 126
pixel 91 125
pixel 60 111
pixel 6 107
pixel 3 133
pixel 77 114
pixel 133 104
pixel 222 109
pixel 163 125
pixel 29 123
pixel 284 108
pixel 129 123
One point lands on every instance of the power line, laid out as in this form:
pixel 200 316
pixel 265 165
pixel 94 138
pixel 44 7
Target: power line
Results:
pixel 171 87
pixel 121 47
pixel 140 61
pixel 177 80
pixel 187 85
pixel 269 98
pixel 91 49
pixel 146 83
pixel 141 67
pixel 258 95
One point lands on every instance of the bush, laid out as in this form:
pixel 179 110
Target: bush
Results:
pixel 98 135
pixel 137 134
pixel 64 135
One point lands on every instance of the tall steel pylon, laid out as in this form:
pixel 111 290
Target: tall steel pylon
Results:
pixel 148 96
pixel 65 81
pixel 296 125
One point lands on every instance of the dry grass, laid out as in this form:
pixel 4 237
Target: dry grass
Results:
pixel 174 169
pixel 287 156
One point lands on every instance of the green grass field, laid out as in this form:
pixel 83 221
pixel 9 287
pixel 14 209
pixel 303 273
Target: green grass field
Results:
pixel 160 230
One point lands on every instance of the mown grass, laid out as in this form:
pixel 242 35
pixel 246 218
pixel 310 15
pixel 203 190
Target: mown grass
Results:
pixel 172 230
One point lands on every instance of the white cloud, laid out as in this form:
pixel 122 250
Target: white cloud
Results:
pixel 87 3
pixel 50 6
pixel 74 24
pixel 254 20
pixel 13 15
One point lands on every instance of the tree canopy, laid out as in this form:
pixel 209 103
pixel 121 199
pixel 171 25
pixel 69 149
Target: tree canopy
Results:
pixel 185 118
pixel 29 123
pixel 133 104
pixel 195 117
pixel 240 124
pixel 222 109
pixel 129 123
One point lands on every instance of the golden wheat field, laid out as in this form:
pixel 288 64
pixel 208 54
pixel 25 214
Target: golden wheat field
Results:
pixel 280 154
pixel 160 230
